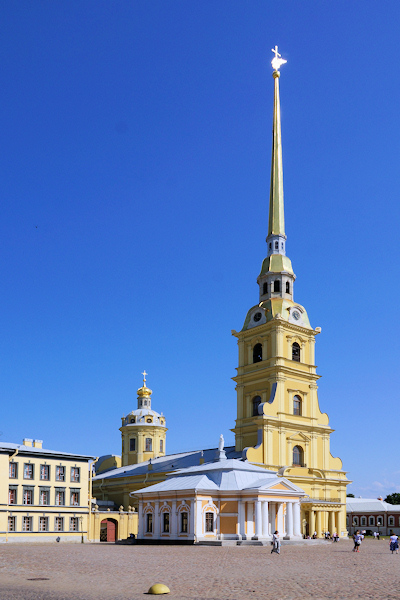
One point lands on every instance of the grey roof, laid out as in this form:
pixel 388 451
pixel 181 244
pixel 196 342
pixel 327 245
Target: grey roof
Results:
pixel 170 462
pixel 370 505
pixel 224 475
pixel 8 446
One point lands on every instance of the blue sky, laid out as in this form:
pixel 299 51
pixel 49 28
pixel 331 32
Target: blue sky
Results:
pixel 134 159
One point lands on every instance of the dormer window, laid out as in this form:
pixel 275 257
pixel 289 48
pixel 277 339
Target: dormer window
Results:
pixel 149 420
pixel 133 420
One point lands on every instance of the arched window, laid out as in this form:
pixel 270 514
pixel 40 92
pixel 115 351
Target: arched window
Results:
pixel 355 520
pixel 277 285
pixel 257 353
pixel 287 287
pixel 371 521
pixel 265 288
pixel 270 246
pixel 296 352
pixel 132 445
pixel 161 445
pixel 297 405
pixel 298 456
pixel 148 445
pixel 256 404
pixel 379 521
pixel 391 521
pixel 364 521
pixel 276 245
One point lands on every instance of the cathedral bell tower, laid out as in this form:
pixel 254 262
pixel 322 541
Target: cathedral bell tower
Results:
pixel 279 423
pixel 143 430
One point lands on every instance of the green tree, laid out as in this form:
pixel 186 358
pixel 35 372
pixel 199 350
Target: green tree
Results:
pixel 393 498
pixel 350 495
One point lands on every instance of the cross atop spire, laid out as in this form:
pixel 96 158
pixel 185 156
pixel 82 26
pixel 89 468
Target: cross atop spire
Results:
pixel 144 378
pixel 277 61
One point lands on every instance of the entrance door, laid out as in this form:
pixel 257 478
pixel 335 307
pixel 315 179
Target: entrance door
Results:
pixel 108 528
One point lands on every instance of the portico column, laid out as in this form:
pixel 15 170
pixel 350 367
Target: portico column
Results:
pixel 199 520
pixel 250 517
pixel 296 519
pixel 265 523
pixel 289 519
pixel 281 528
pixel 258 524
pixel 339 523
pixel 273 518
pixel 174 521
pixel 312 523
pixel 331 522
pixel 318 524
pixel 156 524
pixel 241 519
pixel 140 519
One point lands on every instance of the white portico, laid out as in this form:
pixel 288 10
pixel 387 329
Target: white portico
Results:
pixel 227 499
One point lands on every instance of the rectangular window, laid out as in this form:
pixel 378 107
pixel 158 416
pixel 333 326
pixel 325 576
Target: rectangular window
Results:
pixel 11 524
pixel 379 520
pixel 74 499
pixel 161 445
pixel 60 498
pixel 28 471
pixel 28 496
pixel 132 445
pixel 75 474
pixel 12 470
pixel 184 522
pixel 59 524
pixel 166 522
pixel 73 524
pixel 363 521
pixel 149 445
pixel 209 521
pixel 371 520
pixel 149 523
pixel 60 473
pixel 43 524
pixel 12 496
pixel 44 497
pixel 45 472
pixel 391 521
pixel 27 524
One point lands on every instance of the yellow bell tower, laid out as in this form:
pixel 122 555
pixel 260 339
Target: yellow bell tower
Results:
pixel 143 430
pixel 279 423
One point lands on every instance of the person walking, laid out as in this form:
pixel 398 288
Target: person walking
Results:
pixel 394 543
pixel 276 543
pixel 357 541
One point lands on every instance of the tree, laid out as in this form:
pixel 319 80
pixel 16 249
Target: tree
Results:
pixel 350 496
pixel 393 498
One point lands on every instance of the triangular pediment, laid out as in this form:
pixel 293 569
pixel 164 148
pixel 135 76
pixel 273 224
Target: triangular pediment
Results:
pixel 299 437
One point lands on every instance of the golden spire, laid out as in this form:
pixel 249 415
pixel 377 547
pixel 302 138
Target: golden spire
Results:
pixel 276 223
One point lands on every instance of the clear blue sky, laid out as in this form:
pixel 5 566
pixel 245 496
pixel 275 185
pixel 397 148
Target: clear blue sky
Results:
pixel 135 156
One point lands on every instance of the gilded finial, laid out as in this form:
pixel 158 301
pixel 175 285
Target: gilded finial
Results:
pixel 277 61
pixel 144 378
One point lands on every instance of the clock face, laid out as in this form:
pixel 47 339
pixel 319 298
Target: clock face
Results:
pixel 296 315
pixel 257 316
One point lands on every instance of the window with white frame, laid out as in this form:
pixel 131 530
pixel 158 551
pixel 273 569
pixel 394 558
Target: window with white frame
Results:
pixel 165 522
pixel 355 521
pixel 363 521
pixel 184 522
pixel 60 473
pixel 26 523
pixel 11 524
pixel 75 474
pixel 59 524
pixel 45 472
pixel 149 522
pixel 149 445
pixel 60 497
pixel 391 521
pixel 27 497
pixel 44 496
pixel 371 521
pixel 297 406
pixel 379 520
pixel 28 471
pixel 73 524
pixel 43 523
pixel 209 522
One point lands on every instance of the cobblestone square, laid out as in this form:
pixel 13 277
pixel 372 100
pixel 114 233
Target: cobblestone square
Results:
pixel 119 572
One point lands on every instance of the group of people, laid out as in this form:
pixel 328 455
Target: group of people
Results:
pixel 393 541
pixel 327 535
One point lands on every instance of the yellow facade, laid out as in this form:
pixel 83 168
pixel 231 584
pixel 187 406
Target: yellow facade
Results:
pixel 43 494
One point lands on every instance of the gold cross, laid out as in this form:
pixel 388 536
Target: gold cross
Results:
pixel 144 378
pixel 276 52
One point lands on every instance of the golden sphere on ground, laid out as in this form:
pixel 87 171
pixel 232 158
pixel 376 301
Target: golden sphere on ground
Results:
pixel 159 588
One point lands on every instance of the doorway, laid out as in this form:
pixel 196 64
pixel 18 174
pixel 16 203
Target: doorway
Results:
pixel 108 530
